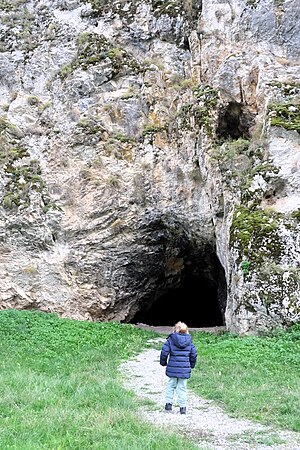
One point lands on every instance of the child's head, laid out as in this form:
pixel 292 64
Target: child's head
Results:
pixel 181 327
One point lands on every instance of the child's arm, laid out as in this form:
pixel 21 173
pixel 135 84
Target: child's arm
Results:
pixel 193 356
pixel 164 354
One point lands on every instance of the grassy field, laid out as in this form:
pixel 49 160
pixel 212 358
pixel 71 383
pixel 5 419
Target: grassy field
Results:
pixel 254 377
pixel 59 387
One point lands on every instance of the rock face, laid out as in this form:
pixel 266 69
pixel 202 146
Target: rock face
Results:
pixel 150 148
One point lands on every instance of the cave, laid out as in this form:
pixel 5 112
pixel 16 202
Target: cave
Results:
pixel 199 299
pixel 234 122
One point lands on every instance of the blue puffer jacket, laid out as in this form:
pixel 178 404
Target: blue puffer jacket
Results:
pixel 179 354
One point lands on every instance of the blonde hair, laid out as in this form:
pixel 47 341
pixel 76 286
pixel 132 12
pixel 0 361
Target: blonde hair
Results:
pixel 181 327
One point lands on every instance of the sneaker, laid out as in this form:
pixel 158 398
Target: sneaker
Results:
pixel 168 407
pixel 183 410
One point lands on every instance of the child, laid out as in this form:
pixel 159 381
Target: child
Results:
pixel 179 354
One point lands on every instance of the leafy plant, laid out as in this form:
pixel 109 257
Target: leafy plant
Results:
pixel 245 266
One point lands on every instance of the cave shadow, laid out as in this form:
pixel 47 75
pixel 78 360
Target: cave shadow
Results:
pixel 234 122
pixel 198 301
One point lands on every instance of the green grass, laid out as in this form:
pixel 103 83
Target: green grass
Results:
pixel 60 389
pixel 257 377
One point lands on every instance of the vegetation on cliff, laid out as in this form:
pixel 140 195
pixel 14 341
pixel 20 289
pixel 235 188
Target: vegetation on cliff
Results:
pixel 22 173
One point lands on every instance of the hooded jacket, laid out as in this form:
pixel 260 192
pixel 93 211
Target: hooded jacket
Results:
pixel 179 354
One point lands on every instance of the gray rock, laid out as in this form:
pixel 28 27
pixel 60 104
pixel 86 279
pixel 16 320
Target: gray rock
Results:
pixel 133 141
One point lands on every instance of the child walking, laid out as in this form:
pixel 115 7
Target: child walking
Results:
pixel 179 354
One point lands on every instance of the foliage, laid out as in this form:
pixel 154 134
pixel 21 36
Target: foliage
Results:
pixel 99 7
pixel 296 214
pixel 90 126
pixel 60 388
pixel 33 100
pixel 287 89
pixel 245 266
pixel 230 149
pixel 20 26
pixel 148 62
pixel 285 115
pixel 201 112
pixel 23 175
pixel 8 128
pixel 252 376
pixel 149 129
pixel 172 8
pixel 166 7
pixel 114 181
pixel 180 83
pixel 92 49
pixel 265 170
pixel 207 97
pixel 123 137
pixel 277 285
pixel 50 206
pixel 206 94
pixel 255 232
pixel 11 5
pixel 252 3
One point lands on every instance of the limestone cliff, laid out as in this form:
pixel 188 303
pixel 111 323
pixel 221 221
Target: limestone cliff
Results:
pixel 146 146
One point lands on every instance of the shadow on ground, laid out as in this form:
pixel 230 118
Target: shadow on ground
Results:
pixel 167 329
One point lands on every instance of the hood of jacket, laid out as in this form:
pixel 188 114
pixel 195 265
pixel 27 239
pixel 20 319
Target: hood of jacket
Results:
pixel 180 340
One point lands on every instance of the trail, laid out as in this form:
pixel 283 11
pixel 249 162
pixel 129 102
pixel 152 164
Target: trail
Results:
pixel 205 423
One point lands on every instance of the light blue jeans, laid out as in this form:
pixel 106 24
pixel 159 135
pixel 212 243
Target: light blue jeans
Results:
pixel 178 385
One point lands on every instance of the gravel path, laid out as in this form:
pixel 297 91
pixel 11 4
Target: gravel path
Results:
pixel 205 423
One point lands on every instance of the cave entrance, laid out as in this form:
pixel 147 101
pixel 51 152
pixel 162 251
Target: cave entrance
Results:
pixel 199 299
pixel 234 122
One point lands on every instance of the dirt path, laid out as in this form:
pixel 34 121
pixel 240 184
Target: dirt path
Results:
pixel 205 423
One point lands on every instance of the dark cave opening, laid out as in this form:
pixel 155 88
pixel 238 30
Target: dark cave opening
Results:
pixel 234 122
pixel 199 300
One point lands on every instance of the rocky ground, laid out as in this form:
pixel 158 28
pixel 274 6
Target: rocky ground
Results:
pixel 205 423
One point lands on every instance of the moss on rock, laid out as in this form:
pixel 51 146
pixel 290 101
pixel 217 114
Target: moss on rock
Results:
pixel 277 286
pixel 285 115
pixel 22 31
pixel 93 49
pixel 22 174
pixel 101 7
pixel 200 112
pixel 255 232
